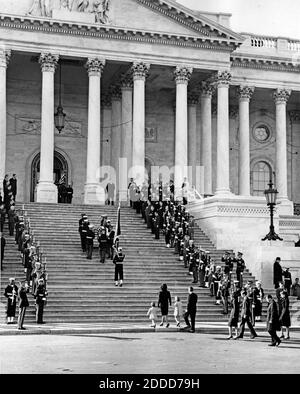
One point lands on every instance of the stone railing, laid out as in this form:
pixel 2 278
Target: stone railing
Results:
pixel 259 44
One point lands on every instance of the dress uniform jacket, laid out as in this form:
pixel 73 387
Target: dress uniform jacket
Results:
pixel 11 292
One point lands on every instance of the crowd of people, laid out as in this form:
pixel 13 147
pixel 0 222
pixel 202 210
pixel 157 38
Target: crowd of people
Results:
pixel 108 241
pixel 35 275
pixel 164 215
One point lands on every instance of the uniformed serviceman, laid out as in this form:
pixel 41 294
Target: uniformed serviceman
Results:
pixel 240 267
pixel 118 261
pixel 90 235
pixel 11 220
pixel 11 293
pixel 40 296
pixel 228 267
pixel 103 244
pixel 84 231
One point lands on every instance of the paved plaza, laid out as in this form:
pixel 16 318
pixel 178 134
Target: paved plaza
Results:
pixel 147 353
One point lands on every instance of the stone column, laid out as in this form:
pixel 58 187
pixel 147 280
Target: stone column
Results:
pixel 93 194
pixel 140 71
pixel 222 82
pixel 4 60
pixel 106 128
pixel 182 76
pixel 116 130
pixel 206 133
pixel 46 189
pixel 281 97
pixel 244 95
pixel 126 146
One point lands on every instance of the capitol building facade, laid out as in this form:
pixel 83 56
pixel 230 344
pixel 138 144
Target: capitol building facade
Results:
pixel 151 83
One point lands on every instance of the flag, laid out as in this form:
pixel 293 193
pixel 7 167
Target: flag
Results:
pixel 118 224
pixel 62 179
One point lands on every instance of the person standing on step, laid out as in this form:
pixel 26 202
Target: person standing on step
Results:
pixel 81 220
pixel 40 296
pixel 11 220
pixel 84 231
pixel 240 267
pixel 273 324
pixel 90 235
pixel 246 315
pixel 118 261
pixel 156 224
pixel 11 293
pixel 23 304
pixel 2 217
pixel 3 243
pixel 277 272
pixel 191 310
pixel 287 280
pixel 103 244
pixel 69 194
pixel 164 300
pixel 13 184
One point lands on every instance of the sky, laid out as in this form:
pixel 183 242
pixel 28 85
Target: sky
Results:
pixel 279 18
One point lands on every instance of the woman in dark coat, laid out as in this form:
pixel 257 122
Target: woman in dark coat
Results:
pixel 284 318
pixel 164 299
pixel 235 312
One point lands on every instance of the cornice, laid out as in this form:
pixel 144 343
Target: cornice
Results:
pixel 263 63
pixel 50 26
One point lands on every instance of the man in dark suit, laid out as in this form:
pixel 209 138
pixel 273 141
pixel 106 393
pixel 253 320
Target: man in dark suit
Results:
pixel 191 310
pixel 277 272
pixel 23 304
pixel 246 315
pixel 13 184
pixel 273 324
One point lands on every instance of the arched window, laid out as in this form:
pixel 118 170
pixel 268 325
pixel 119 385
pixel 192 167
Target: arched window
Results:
pixel 260 176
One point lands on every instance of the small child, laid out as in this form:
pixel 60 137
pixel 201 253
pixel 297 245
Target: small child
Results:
pixel 178 312
pixel 152 313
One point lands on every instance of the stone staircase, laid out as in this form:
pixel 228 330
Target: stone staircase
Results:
pixel 82 290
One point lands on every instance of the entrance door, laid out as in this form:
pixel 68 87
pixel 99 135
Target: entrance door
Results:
pixel 60 171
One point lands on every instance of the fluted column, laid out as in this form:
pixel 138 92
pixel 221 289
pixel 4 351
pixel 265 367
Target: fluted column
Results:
pixel 244 96
pixel 4 60
pixel 182 76
pixel 106 127
pixel 140 71
pixel 281 97
pixel 46 190
pixel 126 145
pixel 92 191
pixel 206 133
pixel 222 82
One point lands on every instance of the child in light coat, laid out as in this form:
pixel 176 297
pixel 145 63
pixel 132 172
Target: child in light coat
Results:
pixel 178 311
pixel 152 313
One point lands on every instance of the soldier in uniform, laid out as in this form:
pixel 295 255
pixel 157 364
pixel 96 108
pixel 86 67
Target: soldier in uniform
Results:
pixel 240 267
pixel 287 280
pixel 90 235
pixel 23 304
pixel 103 244
pixel 228 264
pixel 118 261
pixel 11 293
pixel 84 231
pixel 156 224
pixel 11 220
pixel 3 243
pixel 40 296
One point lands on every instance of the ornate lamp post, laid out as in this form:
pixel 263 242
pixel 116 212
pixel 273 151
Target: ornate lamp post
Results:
pixel 271 196
pixel 59 116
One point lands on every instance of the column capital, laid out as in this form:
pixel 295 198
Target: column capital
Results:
pixel 95 66
pixel 126 82
pixel 5 58
pixel 182 74
pixel 48 61
pixel 281 96
pixel 193 98
pixel 245 93
pixel 140 70
pixel 223 78
pixel 206 89
pixel 106 100
pixel 116 93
